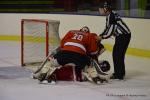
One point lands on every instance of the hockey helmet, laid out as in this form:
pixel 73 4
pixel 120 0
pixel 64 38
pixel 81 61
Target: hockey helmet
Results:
pixel 104 65
pixel 107 5
pixel 85 29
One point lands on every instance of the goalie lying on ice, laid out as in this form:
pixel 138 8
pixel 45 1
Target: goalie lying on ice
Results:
pixel 76 49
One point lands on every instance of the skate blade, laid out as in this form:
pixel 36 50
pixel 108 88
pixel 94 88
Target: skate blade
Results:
pixel 45 82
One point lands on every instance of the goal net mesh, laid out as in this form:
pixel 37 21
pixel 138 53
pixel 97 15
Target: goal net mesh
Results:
pixel 38 39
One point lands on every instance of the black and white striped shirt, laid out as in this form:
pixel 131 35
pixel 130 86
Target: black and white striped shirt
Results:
pixel 114 26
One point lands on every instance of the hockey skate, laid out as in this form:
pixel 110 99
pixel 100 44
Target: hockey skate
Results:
pixel 48 80
pixel 42 77
pixel 98 80
pixel 51 79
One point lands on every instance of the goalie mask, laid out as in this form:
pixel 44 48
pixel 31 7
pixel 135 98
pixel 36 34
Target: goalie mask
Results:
pixel 85 29
pixel 107 5
pixel 104 66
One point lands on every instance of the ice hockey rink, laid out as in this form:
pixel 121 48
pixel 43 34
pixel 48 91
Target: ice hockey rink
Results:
pixel 16 84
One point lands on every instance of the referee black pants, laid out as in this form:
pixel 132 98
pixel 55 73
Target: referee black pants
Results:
pixel 119 51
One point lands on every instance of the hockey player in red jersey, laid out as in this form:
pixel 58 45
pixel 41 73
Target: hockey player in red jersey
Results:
pixel 75 48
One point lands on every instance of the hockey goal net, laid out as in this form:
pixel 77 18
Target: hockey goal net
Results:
pixel 38 39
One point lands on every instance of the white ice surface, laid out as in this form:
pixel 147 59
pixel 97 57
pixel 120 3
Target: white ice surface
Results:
pixel 16 84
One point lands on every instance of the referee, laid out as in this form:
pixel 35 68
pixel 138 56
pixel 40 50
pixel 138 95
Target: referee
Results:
pixel 117 28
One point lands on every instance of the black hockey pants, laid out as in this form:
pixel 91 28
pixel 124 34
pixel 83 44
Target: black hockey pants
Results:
pixel 119 51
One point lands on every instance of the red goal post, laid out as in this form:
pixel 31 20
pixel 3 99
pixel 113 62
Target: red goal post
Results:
pixel 38 38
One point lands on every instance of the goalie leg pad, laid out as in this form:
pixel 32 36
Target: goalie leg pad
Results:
pixel 53 66
pixel 48 69
pixel 92 72
pixel 49 65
